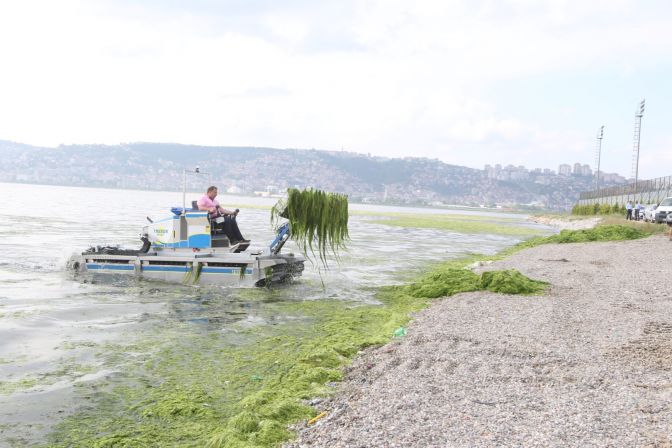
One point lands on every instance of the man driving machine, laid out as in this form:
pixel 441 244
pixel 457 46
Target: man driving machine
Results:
pixel 208 203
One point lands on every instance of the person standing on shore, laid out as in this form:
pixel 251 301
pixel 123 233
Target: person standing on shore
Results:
pixel 638 211
pixel 628 211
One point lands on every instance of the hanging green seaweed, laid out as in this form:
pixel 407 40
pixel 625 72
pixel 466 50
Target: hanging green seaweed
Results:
pixel 197 267
pixel 193 273
pixel 318 220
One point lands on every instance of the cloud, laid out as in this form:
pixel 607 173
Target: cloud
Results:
pixel 385 77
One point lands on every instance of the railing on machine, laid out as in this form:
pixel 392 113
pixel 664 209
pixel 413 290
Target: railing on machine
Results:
pixel 198 171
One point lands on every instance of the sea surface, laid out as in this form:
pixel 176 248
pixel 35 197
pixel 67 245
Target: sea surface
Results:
pixel 53 325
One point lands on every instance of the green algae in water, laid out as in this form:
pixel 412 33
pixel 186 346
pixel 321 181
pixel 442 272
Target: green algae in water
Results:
pixel 267 433
pixel 179 401
pixel 450 223
pixel 434 216
pixel 187 389
pixel 68 369
pixel 296 362
pixel 8 387
pixel 192 390
pixel 245 422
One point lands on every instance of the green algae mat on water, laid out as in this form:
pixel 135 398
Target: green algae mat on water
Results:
pixel 460 224
pixel 182 387
pixel 179 388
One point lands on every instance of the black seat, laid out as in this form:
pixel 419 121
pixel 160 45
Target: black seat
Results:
pixel 194 205
pixel 219 240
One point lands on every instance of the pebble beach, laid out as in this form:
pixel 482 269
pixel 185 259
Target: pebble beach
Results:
pixel 587 363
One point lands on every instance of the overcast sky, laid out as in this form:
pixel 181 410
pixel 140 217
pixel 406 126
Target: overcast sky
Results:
pixel 527 82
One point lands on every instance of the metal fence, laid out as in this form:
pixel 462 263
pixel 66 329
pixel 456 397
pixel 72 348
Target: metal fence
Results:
pixel 645 192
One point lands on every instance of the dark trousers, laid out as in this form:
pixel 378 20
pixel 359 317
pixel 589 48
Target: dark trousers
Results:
pixel 629 214
pixel 230 227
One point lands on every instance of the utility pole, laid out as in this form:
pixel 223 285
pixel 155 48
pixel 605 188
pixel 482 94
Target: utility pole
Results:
pixel 635 146
pixel 598 155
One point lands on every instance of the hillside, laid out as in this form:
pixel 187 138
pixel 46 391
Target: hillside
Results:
pixel 245 170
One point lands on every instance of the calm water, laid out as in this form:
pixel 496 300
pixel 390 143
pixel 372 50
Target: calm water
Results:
pixel 52 325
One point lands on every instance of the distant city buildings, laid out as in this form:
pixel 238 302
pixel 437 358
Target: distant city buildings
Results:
pixel 582 170
pixel 565 170
pixel 520 173
pixel 544 176
pixel 509 172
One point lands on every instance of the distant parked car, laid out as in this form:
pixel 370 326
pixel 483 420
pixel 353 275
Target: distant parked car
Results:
pixel 663 210
pixel 650 213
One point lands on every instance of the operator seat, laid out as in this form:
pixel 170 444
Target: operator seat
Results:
pixel 219 238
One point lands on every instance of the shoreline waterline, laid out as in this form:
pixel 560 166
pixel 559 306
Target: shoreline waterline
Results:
pixel 121 359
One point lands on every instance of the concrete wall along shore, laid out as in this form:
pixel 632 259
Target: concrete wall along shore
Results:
pixel 645 192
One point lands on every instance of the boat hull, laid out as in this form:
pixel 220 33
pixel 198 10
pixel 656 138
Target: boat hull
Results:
pixel 232 269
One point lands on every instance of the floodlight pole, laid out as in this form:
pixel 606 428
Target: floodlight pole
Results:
pixel 636 140
pixel 600 135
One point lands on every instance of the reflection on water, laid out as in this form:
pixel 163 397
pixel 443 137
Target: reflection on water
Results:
pixel 52 327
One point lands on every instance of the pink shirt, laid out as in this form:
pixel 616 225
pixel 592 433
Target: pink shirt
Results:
pixel 206 202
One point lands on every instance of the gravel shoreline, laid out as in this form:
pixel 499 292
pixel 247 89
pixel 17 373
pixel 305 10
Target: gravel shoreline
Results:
pixel 589 363
pixel 566 223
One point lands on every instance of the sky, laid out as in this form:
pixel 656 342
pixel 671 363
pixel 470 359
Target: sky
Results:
pixel 469 82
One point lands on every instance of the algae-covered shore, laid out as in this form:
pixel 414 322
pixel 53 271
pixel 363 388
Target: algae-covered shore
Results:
pixel 248 393
pixel 585 363
pixel 114 362
pixel 202 366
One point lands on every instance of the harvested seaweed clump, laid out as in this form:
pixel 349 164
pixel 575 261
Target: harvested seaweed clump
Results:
pixel 601 233
pixel 450 281
pixel 318 220
pixel 613 232
pixel 511 282
pixel 444 282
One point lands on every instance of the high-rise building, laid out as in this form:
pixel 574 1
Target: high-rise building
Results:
pixel 565 169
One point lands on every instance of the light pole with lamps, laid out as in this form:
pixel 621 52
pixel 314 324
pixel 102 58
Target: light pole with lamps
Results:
pixel 636 140
pixel 600 135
